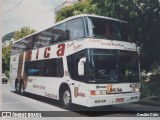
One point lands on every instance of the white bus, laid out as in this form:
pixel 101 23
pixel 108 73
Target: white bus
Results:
pixel 87 60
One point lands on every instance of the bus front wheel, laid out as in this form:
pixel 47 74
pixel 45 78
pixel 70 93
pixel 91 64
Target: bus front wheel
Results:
pixel 21 88
pixel 65 98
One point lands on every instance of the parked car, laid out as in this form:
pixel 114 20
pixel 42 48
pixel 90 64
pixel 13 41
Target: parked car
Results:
pixel 4 78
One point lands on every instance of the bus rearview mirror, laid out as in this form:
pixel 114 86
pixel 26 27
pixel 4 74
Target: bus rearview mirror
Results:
pixel 81 64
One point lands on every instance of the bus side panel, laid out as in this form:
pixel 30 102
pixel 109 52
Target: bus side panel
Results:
pixel 44 86
pixel 79 92
pixel 14 67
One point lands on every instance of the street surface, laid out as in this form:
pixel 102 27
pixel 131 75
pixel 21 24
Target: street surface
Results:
pixel 14 102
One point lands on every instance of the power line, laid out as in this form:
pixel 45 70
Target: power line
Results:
pixel 13 7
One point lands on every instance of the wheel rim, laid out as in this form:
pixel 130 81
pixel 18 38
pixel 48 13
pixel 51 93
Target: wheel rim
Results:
pixel 66 97
pixel 17 87
pixel 22 89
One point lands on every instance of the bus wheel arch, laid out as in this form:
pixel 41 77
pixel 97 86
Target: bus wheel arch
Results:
pixel 65 96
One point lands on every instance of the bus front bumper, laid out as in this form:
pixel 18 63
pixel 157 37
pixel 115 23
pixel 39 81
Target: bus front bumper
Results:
pixel 101 100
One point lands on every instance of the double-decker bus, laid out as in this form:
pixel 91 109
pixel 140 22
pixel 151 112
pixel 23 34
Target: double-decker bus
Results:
pixel 87 60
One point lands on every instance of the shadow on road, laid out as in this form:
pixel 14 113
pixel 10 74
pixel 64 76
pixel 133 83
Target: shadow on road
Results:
pixel 82 111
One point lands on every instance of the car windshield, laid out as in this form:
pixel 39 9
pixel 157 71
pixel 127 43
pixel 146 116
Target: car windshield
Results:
pixel 110 66
pixel 107 29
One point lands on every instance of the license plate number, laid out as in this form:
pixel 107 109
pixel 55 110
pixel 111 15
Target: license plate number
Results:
pixel 119 99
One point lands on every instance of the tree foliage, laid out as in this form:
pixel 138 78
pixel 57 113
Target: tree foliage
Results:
pixel 77 8
pixel 6 59
pixel 143 18
pixel 24 31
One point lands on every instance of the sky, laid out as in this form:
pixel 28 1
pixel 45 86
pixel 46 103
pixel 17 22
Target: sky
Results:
pixel 37 14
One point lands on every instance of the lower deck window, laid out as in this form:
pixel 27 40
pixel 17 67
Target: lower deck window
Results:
pixel 46 68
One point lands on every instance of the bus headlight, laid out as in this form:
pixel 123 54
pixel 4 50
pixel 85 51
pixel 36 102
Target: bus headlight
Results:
pixel 93 92
pixel 98 92
pixel 137 90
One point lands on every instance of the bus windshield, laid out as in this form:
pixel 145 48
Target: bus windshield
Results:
pixel 107 29
pixel 110 66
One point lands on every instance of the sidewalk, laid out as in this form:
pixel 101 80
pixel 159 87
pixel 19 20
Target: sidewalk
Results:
pixel 152 101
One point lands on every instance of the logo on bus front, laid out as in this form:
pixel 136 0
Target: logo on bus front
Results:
pixel 100 86
pixel 111 89
pixel 77 93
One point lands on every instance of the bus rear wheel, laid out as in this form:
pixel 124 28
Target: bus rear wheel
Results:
pixel 65 98
pixel 21 88
pixel 16 85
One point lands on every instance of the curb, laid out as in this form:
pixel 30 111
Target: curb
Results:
pixel 149 101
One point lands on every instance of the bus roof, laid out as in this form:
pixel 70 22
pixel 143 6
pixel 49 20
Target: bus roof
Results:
pixel 70 18
pixel 89 15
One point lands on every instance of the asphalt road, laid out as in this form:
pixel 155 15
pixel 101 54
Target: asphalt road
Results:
pixel 14 102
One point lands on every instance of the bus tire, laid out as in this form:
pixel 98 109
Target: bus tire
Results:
pixel 16 85
pixel 65 98
pixel 21 88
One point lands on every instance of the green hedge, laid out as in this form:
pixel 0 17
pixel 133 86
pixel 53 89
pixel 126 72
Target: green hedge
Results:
pixel 151 87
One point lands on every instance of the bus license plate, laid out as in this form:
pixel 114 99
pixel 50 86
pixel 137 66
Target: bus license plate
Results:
pixel 119 99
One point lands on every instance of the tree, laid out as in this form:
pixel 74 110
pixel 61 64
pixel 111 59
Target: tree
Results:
pixel 6 60
pixel 24 31
pixel 77 8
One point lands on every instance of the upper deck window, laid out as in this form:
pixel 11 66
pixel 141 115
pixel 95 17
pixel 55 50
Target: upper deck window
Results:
pixel 108 29
pixel 75 29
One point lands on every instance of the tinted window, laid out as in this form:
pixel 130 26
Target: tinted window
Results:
pixel 60 33
pixel 41 39
pixel 75 29
pixel 46 68
pixel 114 66
pixel 50 36
pixel 72 62
pixel 109 29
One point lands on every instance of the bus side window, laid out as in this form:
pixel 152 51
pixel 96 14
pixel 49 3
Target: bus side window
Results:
pixel 60 69
pixel 32 68
pixel 45 68
pixel 108 31
pixel 59 33
pixel 56 68
pixel 72 62
pixel 75 29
